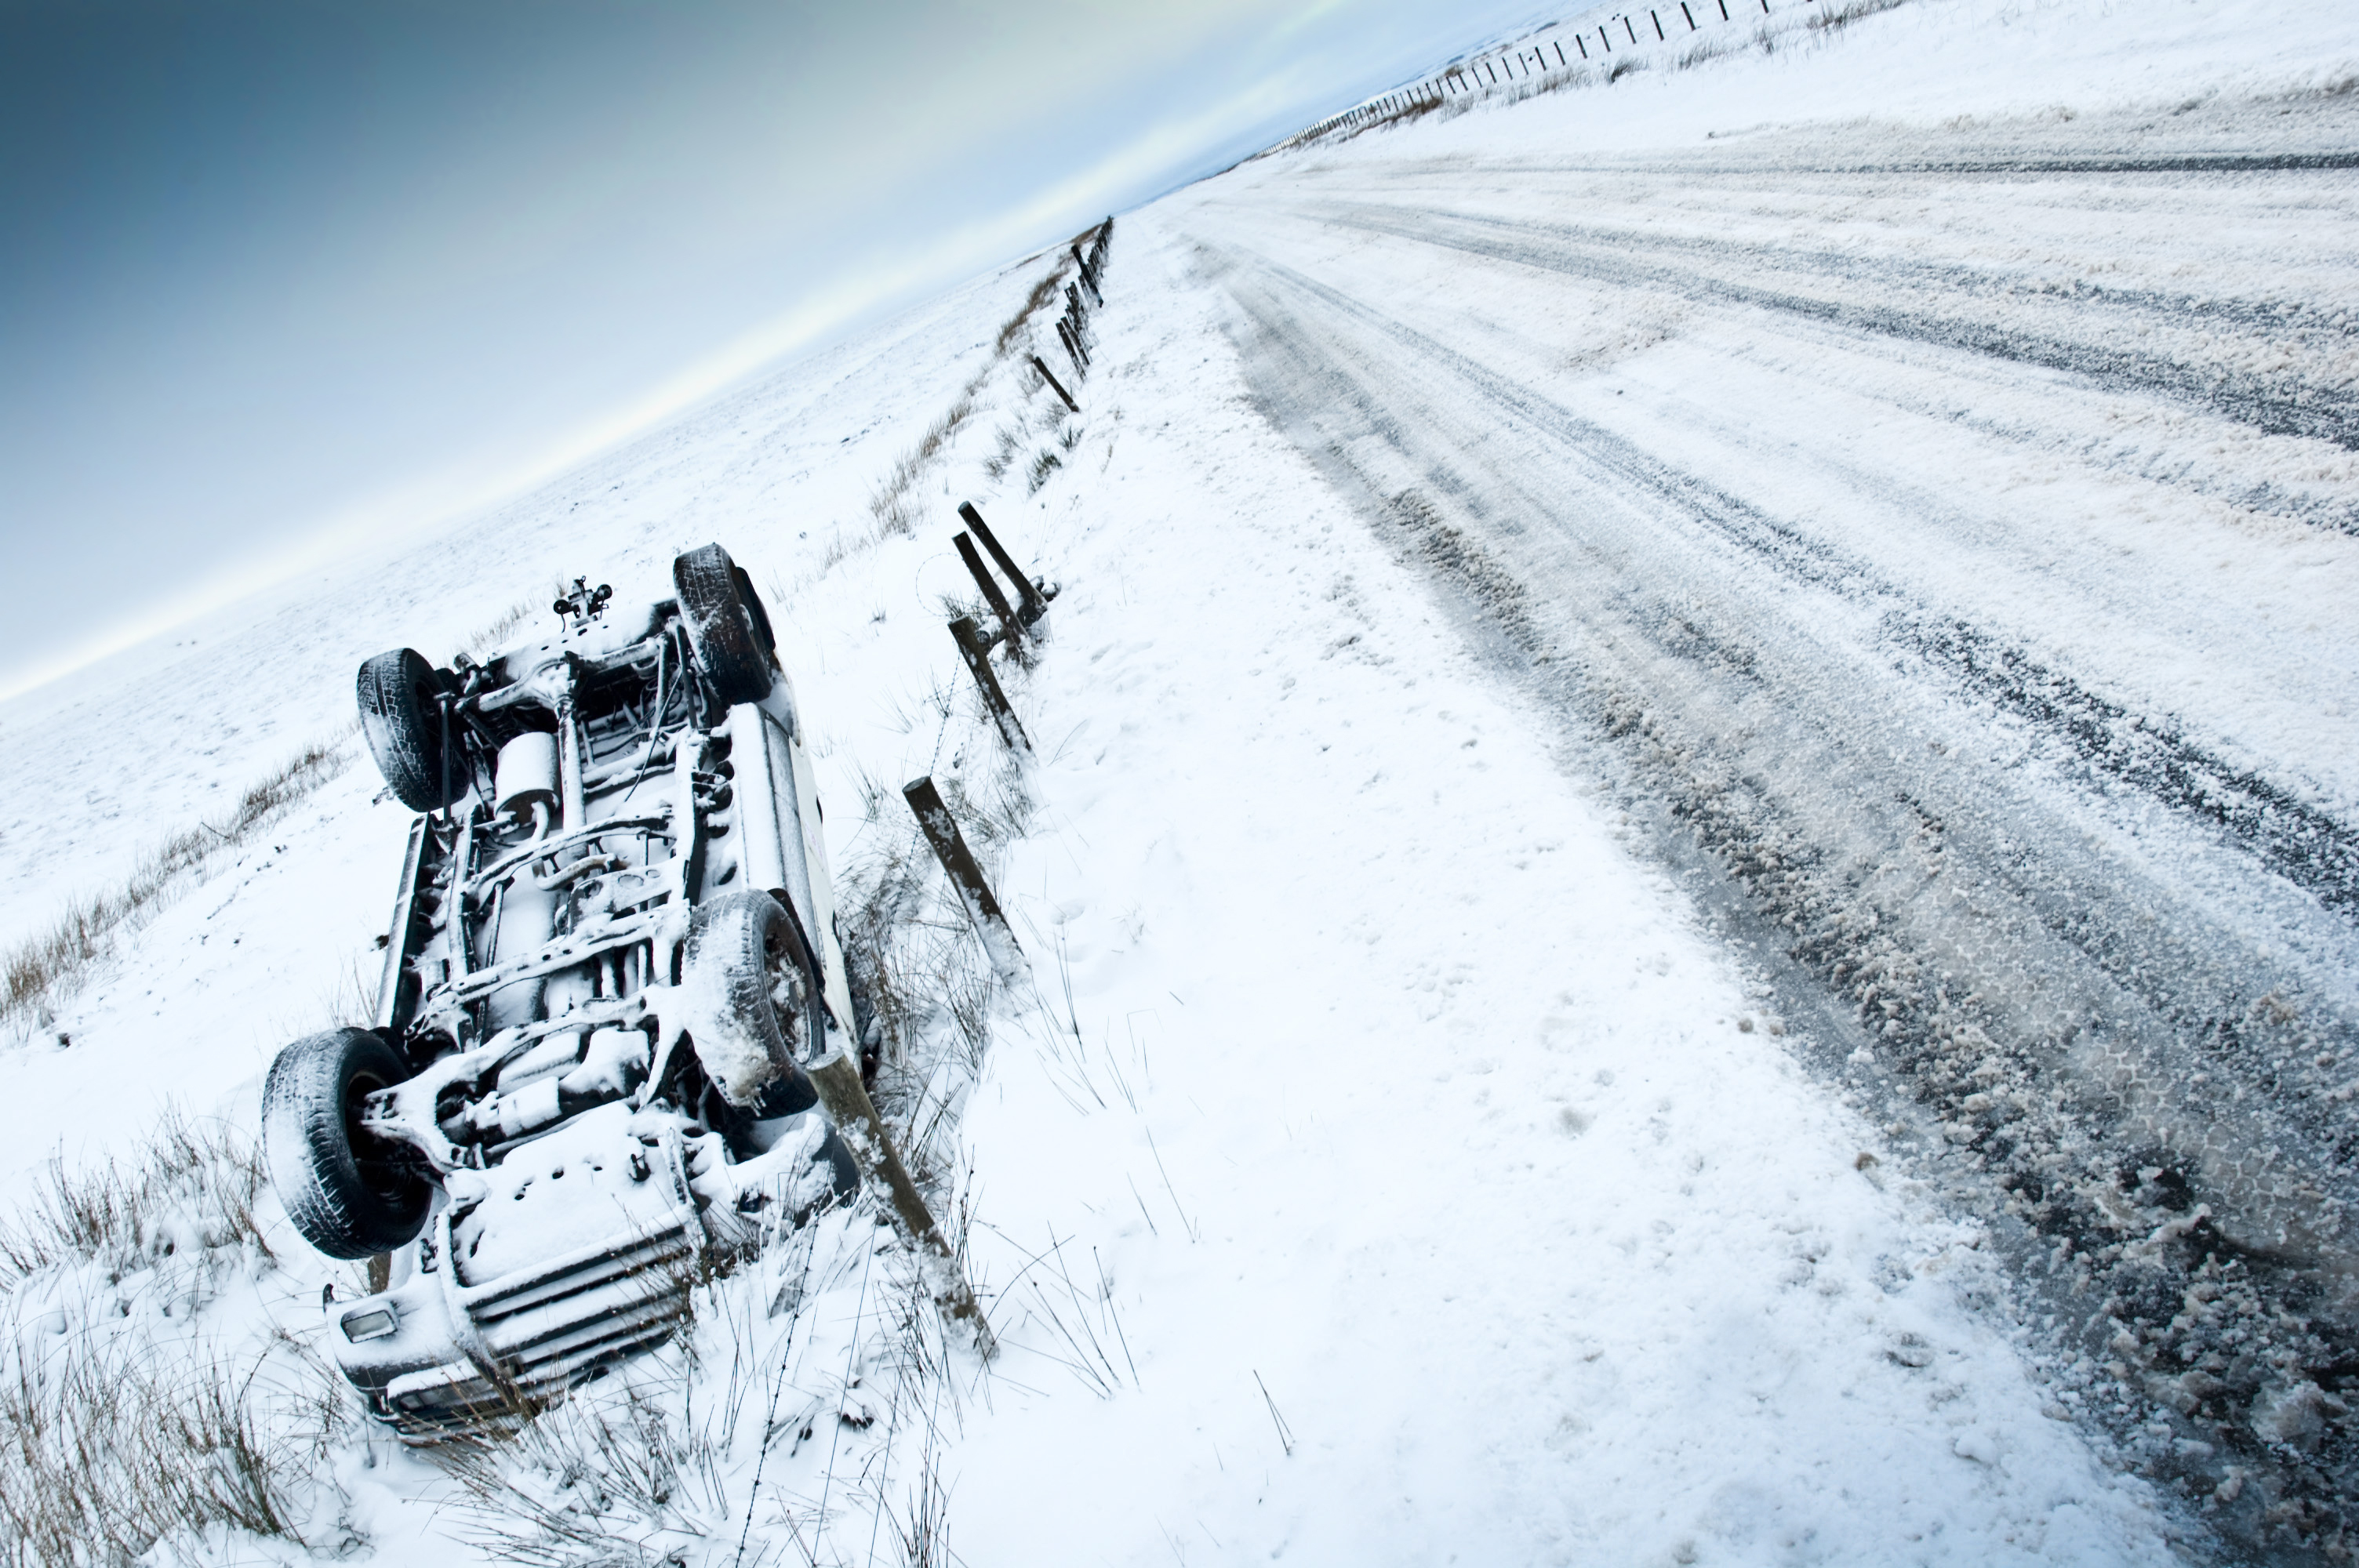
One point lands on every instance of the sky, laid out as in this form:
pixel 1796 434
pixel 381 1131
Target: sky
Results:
pixel 282 280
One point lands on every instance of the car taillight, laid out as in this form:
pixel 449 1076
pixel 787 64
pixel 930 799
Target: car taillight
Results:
pixel 374 1324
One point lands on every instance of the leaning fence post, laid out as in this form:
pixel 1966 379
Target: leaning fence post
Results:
pixel 837 1079
pixel 1036 604
pixel 976 650
pixel 1009 626
pixel 941 832
pixel 1054 385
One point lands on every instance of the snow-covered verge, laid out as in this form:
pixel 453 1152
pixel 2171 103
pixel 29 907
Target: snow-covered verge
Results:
pixel 1390 1164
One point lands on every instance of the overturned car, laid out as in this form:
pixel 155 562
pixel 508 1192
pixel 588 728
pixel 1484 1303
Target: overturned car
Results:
pixel 613 952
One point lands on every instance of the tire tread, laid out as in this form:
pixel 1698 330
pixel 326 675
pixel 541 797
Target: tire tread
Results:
pixel 720 628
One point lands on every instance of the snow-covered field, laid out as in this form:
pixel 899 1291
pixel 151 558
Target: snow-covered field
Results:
pixel 1511 564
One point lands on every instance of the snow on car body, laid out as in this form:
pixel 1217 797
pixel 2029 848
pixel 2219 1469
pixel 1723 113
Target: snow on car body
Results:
pixel 612 945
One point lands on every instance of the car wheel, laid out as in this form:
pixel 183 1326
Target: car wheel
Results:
pixel 750 1002
pixel 350 1195
pixel 401 714
pixel 723 631
pixel 758 616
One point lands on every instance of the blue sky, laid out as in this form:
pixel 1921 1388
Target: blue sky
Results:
pixel 280 277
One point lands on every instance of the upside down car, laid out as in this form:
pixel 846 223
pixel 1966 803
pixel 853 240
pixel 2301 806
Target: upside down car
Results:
pixel 612 954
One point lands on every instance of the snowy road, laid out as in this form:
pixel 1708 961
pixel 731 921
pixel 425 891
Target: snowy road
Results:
pixel 1952 534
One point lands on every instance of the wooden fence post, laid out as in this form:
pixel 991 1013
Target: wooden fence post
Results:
pixel 975 649
pixel 1034 605
pixel 941 831
pixel 1010 627
pixel 837 1079
pixel 1054 385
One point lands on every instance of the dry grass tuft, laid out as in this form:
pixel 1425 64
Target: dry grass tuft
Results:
pixel 489 637
pixel 189 1195
pixel 108 1449
pixel 113 1441
pixel 1709 49
pixel 1010 441
pixel 923 1536
pixel 601 1481
pixel 1407 113
pixel 42 968
pixel 890 505
pixel 1043 463
pixel 1850 11
pixel 1042 292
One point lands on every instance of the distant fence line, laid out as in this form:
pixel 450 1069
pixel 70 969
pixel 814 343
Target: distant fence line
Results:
pixel 1555 51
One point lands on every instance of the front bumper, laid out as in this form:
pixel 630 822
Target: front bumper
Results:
pixel 576 1250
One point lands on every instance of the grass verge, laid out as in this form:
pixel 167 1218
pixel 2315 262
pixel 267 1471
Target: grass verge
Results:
pixel 121 1428
pixel 189 1193
pixel 42 969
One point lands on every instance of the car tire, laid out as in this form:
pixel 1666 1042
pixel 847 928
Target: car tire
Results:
pixel 756 614
pixel 751 1001
pixel 724 633
pixel 400 702
pixel 349 1196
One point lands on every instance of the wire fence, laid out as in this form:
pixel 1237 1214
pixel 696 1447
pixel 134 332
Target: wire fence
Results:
pixel 1558 54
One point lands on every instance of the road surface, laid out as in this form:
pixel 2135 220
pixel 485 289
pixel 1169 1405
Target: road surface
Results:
pixel 1948 542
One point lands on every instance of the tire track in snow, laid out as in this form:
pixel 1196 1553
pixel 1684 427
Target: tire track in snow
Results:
pixel 2306 845
pixel 2124 163
pixel 2272 406
pixel 1853 268
pixel 2065 953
